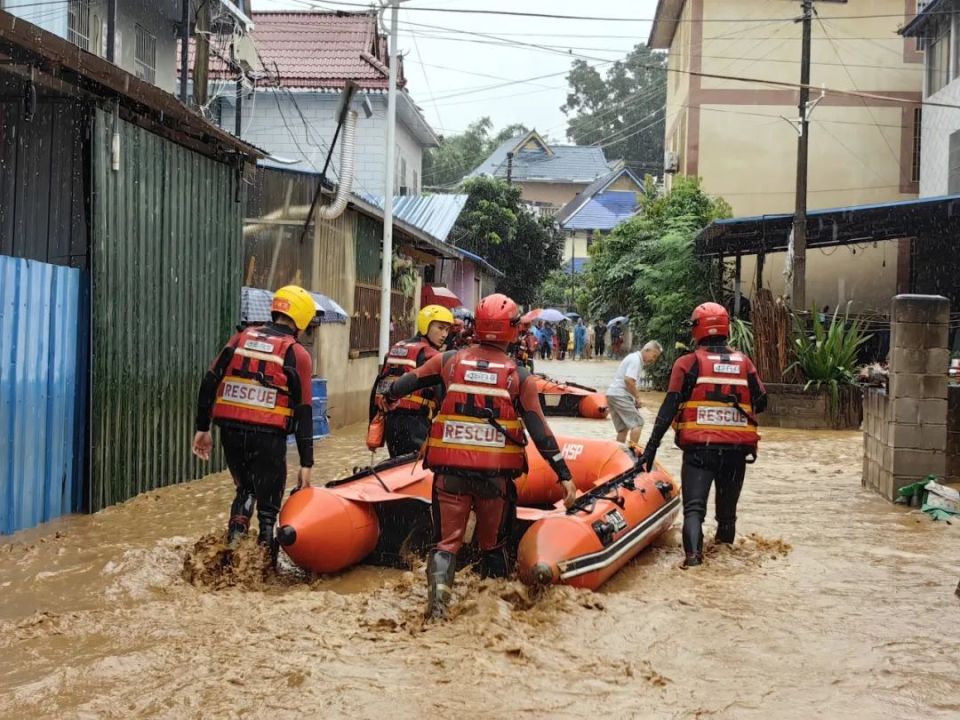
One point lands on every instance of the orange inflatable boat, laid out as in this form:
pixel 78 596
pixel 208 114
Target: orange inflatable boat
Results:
pixel 570 399
pixel 381 515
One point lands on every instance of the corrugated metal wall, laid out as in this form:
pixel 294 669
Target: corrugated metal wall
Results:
pixel 166 296
pixel 42 406
pixel 43 181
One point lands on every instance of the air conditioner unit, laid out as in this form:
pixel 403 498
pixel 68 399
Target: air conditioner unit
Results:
pixel 671 161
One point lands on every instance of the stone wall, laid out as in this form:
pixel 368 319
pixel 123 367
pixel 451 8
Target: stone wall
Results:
pixel 905 427
pixel 790 406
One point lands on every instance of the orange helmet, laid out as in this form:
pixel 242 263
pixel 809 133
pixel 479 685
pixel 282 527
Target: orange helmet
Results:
pixel 497 320
pixel 710 320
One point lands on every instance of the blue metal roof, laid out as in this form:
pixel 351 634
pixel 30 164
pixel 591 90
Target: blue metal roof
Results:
pixel 434 215
pixel 482 261
pixel 605 211
pixel 598 186
pixel 567 163
pixel 833 226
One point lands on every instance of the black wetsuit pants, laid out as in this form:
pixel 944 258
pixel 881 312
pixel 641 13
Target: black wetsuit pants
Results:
pixel 258 462
pixel 702 467
pixel 405 432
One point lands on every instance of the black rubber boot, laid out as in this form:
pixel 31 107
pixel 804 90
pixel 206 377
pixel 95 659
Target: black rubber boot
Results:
pixel 726 533
pixel 266 539
pixel 692 536
pixel 494 564
pixel 240 513
pixel 693 560
pixel 441 569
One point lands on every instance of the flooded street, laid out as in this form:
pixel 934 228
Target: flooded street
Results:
pixel 832 603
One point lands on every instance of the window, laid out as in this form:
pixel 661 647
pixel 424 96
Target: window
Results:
pixel 917 126
pixel 145 58
pixel 78 23
pixel 953 182
pixel 938 58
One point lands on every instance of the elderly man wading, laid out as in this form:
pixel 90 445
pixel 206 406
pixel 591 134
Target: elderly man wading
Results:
pixel 623 395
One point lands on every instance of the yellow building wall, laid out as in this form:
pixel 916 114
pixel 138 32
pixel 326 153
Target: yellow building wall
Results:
pixel 734 136
pixel 575 246
pixel 555 194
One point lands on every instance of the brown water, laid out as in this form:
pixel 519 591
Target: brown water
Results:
pixel 831 604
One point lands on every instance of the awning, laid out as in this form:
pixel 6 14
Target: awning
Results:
pixel 255 307
pixel 439 295
pixel 933 217
pixel 238 14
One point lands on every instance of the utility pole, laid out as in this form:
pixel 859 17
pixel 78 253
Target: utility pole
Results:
pixel 386 275
pixel 799 292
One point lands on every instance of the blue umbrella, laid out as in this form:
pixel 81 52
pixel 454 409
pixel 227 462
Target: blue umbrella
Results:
pixel 255 307
pixel 622 319
pixel 551 315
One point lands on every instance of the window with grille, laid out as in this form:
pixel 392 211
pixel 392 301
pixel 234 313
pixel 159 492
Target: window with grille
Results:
pixel 938 58
pixel 917 125
pixel 145 58
pixel 78 23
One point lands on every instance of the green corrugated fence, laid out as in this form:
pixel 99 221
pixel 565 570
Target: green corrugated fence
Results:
pixel 166 236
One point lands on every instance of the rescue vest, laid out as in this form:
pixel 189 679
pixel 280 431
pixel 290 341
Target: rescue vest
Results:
pixel 718 411
pixel 478 428
pixel 402 359
pixel 255 389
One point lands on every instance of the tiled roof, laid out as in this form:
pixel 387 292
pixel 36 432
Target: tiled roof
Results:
pixel 585 195
pixel 605 211
pixel 565 163
pixel 319 50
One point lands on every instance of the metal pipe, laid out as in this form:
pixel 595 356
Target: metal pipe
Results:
pixel 386 275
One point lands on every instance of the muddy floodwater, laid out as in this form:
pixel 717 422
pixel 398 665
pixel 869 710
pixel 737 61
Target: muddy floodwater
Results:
pixel 831 604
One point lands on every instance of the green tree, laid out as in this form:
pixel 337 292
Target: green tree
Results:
pixel 556 292
pixel 447 165
pixel 646 268
pixel 496 226
pixel 624 112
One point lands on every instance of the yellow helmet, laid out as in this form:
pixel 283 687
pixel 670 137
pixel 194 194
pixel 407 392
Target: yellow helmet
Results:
pixel 296 303
pixel 432 313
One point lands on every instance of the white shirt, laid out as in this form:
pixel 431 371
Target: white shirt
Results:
pixel 631 366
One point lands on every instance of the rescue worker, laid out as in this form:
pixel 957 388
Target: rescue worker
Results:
pixel 408 424
pixel 461 333
pixel 712 401
pixel 476 445
pixel 258 390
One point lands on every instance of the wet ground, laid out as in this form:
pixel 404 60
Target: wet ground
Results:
pixel 831 604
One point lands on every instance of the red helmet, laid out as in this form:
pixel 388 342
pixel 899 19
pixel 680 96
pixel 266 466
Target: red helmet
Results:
pixel 710 320
pixel 497 320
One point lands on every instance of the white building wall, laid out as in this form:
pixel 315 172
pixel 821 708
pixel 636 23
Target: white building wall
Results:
pixel 281 132
pixel 52 17
pixel 938 124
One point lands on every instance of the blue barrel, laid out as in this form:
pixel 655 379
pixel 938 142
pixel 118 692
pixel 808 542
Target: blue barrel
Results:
pixel 321 426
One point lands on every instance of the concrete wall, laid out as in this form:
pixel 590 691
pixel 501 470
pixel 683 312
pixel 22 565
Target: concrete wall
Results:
pixel 790 406
pixel 575 246
pixel 905 426
pixel 281 132
pixel 938 124
pixel 460 277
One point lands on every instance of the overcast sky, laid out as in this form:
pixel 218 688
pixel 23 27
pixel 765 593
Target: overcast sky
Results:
pixel 441 62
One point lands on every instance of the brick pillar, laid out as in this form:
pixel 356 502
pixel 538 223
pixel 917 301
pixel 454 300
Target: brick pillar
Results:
pixel 916 419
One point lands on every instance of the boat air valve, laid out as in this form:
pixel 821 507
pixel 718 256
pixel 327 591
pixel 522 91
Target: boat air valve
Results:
pixel 604 531
pixel 665 488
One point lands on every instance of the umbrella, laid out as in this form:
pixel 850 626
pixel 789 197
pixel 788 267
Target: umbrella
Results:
pixel 551 315
pixel 255 307
pixel 622 319
pixel 531 316
pixel 573 315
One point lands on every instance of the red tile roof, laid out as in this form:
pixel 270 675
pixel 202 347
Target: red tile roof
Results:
pixel 319 50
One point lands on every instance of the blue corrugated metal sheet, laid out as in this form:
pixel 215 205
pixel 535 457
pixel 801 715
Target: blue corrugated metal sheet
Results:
pixel 40 406
pixel 433 214
pixel 605 211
